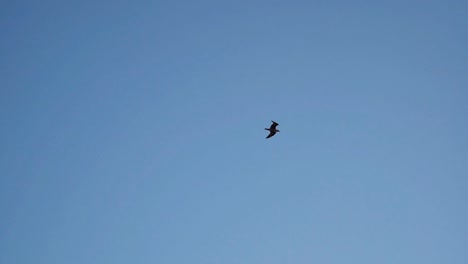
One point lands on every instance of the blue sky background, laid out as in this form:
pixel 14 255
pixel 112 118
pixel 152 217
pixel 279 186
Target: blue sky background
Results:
pixel 133 132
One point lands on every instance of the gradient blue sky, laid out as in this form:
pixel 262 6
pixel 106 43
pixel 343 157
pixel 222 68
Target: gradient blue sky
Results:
pixel 132 132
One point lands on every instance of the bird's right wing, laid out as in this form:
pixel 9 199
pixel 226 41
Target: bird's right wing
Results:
pixel 272 133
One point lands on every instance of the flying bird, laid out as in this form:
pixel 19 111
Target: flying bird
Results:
pixel 272 129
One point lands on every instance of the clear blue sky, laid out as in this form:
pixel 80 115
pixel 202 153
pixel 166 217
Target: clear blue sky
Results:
pixel 133 132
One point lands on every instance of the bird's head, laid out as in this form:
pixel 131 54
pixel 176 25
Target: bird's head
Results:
pixel 277 130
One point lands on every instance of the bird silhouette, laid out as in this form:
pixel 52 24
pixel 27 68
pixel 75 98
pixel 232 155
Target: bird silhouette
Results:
pixel 272 129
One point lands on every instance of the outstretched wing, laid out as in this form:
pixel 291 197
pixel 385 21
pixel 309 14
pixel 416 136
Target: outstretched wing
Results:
pixel 274 125
pixel 272 133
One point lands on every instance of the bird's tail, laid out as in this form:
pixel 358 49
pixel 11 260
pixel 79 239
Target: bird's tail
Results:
pixel 267 129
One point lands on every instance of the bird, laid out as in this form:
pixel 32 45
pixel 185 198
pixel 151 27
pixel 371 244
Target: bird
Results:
pixel 272 129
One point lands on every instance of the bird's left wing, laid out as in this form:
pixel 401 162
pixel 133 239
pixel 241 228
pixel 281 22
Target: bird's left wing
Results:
pixel 274 125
